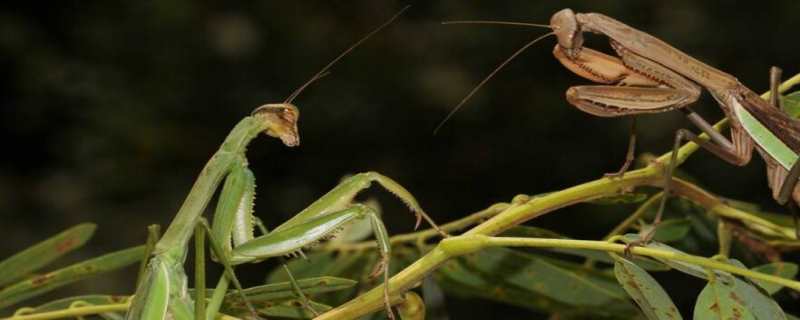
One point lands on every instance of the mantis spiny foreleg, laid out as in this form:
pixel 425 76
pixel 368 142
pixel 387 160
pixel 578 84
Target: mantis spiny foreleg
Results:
pixel 323 218
pixel 163 293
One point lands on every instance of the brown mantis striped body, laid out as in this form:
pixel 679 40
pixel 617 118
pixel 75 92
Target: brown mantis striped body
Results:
pixel 650 76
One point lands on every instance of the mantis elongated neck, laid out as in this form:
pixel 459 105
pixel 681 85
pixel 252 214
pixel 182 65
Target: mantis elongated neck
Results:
pixel 175 239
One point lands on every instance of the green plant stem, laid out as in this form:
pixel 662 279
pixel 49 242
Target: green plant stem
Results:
pixel 76 312
pixel 638 214
pixel 652 175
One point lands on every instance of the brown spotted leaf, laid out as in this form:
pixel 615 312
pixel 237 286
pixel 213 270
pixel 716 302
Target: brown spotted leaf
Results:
pixel 49 281
pixel 645 291
pixel 43 253
pixel 719 300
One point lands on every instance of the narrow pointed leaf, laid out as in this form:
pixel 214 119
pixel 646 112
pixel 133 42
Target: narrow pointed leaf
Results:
pixel 45 252
pixel 291 309
pixel 283 290
pixel 43 283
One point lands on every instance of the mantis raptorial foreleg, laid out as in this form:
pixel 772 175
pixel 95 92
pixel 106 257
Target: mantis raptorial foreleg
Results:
pixel 163 293
pixel 321 220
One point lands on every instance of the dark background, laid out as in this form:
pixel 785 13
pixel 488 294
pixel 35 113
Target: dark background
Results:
pixel 109 109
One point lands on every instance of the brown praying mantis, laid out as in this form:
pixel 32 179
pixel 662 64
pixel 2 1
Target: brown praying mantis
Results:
pixel 650 76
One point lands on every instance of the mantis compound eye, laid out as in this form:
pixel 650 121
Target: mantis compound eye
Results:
pixel 566 28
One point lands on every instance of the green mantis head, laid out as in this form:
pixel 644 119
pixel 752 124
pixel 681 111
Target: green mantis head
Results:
pixel 282 121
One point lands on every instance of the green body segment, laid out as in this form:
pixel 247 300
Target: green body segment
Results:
pixel 232 150
pixel 165 276
pixel 233 223
pixel 337 199
pixel 231 200
pixel 157 301
pixel 243 219
pixel 765 139
pixel 295 237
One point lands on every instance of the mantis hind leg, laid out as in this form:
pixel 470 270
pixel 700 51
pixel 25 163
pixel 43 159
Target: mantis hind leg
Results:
pixel 737 152
pixel 788 185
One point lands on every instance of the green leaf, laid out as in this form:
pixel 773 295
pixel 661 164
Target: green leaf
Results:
pixel 748 294
pixel 645 291
pixel 597 256
pixel 672 229
pixel 760 304
pixel 354 265
pixel 791 104
pixel 534 282
pixel 781 269
pixel 719 300
pixel 44 283
pixel 45 252
pixel 283 290
pixel 292 309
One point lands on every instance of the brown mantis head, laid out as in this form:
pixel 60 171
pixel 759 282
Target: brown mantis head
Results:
pixel 565 27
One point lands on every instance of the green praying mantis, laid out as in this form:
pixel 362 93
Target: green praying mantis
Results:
pixel 163 292
pixel 650 76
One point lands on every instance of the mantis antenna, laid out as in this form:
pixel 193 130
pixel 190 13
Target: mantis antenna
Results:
pixel 499 67
pixel 324 71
